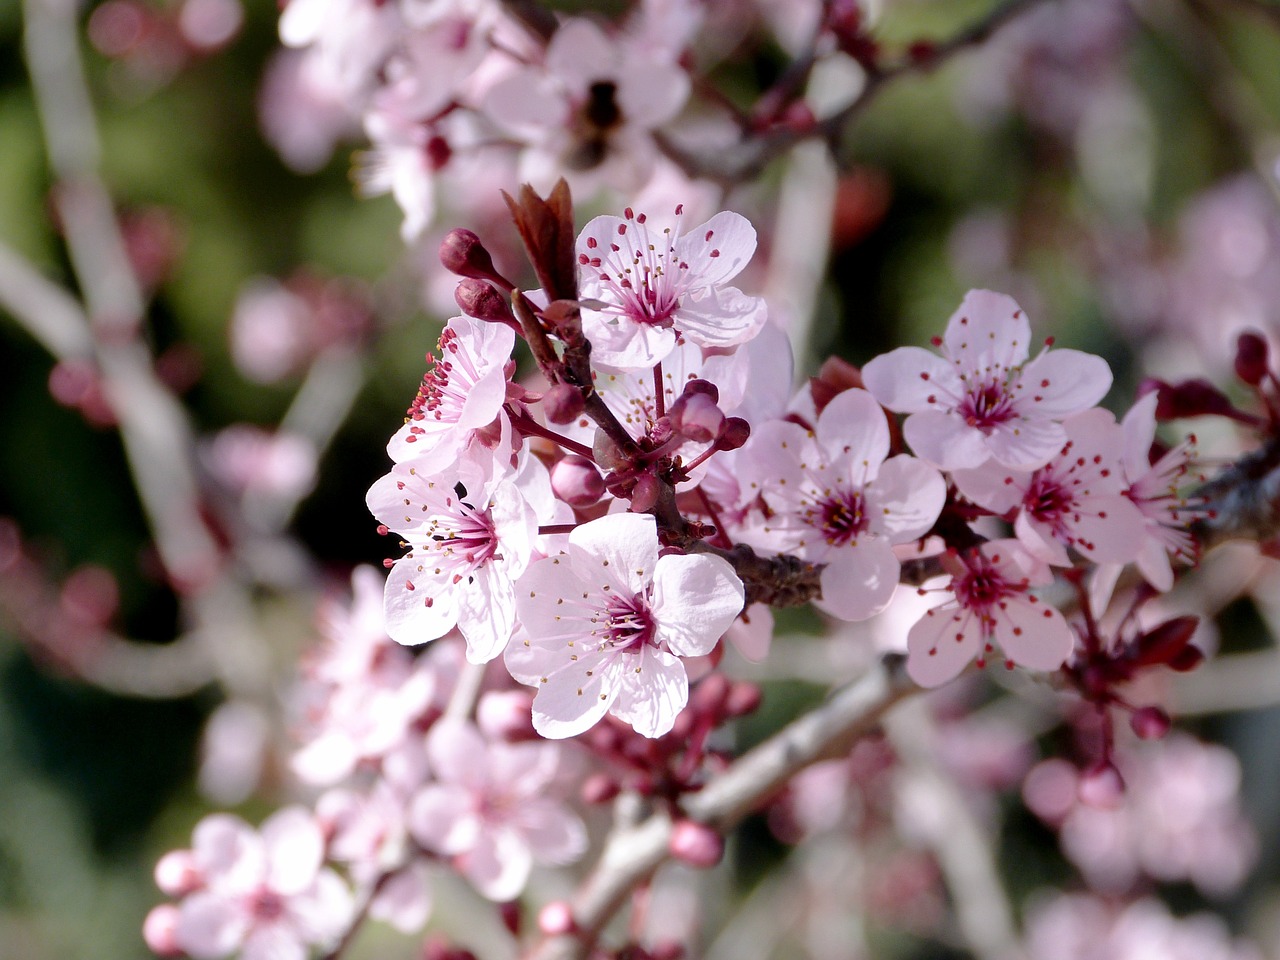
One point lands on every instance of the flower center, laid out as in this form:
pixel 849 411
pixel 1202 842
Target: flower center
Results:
pixel 843 517
pixel 266 905
pixel 1047 499
pixel 982 586
pixel 987 405
pixel 630 625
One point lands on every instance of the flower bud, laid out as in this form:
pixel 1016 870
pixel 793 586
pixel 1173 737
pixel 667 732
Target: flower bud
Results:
pixel 1190 398
pixel 1251 358
pixel 1101 786
pixel 736 432
pixel 697 417
pixel 743 698
pixel 645 492
pixel 599 788
pixel 556 919
pixel 1150 723
pixel 576 481
pixel 709 696
pixel 177 874
pixel 160 931
pixel 462 253
pixel 563 403
pixel 478 299
pixel 510 914
pixel 700 387
pixel 696 844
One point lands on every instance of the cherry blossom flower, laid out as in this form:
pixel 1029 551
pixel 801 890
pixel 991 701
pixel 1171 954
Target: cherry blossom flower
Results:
pixel 465 553
pixel 262 893
pixel 1075 500
pixel 982 398
pixel 607 622
pixel 490 810
pixel 656 288
pixel 834 499
pixel 460 395
pixel 992 602
pixel 590 108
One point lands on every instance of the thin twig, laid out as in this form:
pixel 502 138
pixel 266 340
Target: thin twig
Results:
pixel 45 310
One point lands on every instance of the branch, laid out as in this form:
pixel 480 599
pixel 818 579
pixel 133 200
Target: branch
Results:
pixel 633 854
pixel 45 310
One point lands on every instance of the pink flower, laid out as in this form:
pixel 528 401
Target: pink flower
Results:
pixel 1075 500
pixel 982 398
pixel 659 287
pixel 591 107
pixel 262 893
pixel 460 395
pixel 490 810
pixel 991 602
pixel 607 622
pixel 834 499
pixel 465 554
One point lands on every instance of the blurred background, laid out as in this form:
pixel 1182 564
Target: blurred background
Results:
pixel 1112 165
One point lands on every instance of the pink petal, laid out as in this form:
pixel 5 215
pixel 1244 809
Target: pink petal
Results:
pixel 945 440
pixel 852 427
pixel 273 942
pixel 554 834
pixel 905 499
pixel 654 689
pixel 229 852
pixel 570 701
pixel 295 849
pixel 1113 531
pixel 458 753
pixel 1039 540
pixel 417 607
pixel 498 865
pixel 722 317
pixel 211 926
pixel 752 633
pixel 858 581
pixel 404 901
pixel 992 486
pixel 1033 634
pixel 695 599
pixel 988 326
pixel 895 380
pixel 582 54
pixel 1059 383
pixel 942 644
pixel 1026 444
pixel 718 250
pixel 441 818
pixel 621 549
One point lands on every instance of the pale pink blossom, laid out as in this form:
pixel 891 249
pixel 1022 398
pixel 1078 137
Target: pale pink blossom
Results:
pixel 991 604
pixel 835 499
pixel 460 395
pixel 262 893
pixel 465 554
pixel 983 398
pixel 657 287
pixel 590 108
pixel 1077 500
pixel 302 111
pixel 607 621
pixel 490 809
pixel 250 461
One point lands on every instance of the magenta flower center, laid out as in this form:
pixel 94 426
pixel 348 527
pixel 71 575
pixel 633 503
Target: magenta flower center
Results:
pixel 1047 500
pixel 630 625
pixel 842 517
pixel 987 405
pixel 266 905
pixel 983 586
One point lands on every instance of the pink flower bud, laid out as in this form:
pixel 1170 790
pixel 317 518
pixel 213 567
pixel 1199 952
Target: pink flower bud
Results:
pixel 563 403
pixel 709 696
pixel 478 299
pixel 1150 723
pixel 700 387
pixel 697 417
pixel 160 931
pixel 576 481
pixel 177 874
pixel 556 919
pixel 743 698
pixel 1251 358
pixel 696 844
pixel 462 253
pixel 1101 786
pixel 599 788
pixel 645 493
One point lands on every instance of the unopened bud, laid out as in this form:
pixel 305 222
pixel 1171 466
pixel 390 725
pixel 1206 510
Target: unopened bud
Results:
pixel 563 403
pixel 1190 398
pixel 700 387
pixel 556 919
pixel 510 913
pixel 160 931
pixel 743 698
pixel 696 844
pixel 645 493
pixel 599 788
pixel 697 417
pixel 576 481
pixel 478 299
pixel 177 874
pixel 1251 358
pixel 736 432
pixel 709 695
pixel 1101 786
pixel 462 253
pixel 1150 723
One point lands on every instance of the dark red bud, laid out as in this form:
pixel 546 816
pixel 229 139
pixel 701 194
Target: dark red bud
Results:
pixel 710 694
pixel 1167 641
pixel 1188 658
pixel 1251 358
pixel 704 387
pixel 736 432
pixel 510 913
pixel 1191 398
pixel 478 299
pixel 1150 723
pixel 563 403
pixel 462 253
